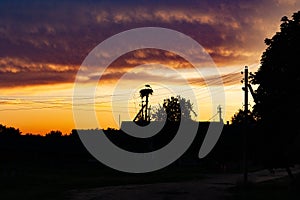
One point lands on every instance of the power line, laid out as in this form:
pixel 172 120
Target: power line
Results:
pixel 213 116
pixel 60 102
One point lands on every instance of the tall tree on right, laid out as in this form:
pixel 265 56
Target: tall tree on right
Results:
pixel 278 94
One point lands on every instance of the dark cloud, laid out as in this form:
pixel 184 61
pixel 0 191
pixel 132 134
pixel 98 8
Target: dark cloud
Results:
pixel 127 62
pixel 21 72
pixel 62 33
pixel 10 79
pixel 124 65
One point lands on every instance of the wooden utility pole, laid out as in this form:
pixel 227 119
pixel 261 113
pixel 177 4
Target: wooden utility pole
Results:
pixel 245 127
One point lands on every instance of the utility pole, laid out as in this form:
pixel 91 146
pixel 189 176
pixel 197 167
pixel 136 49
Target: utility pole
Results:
pixel 245 127
pixel 220 113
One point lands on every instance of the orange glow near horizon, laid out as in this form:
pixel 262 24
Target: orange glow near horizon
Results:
pixel 33 110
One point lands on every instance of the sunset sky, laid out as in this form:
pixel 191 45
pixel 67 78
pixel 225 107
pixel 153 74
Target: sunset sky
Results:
pixel 44 43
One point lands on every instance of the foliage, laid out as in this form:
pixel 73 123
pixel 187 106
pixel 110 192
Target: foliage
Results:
pixel 174 109
pixel 54 134
pixel 9 131
pixel 277 95
pixel 239 118
pixel 279 74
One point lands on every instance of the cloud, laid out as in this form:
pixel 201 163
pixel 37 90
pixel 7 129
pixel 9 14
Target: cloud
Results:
pixel 52 36
pixel 15 72
pixel 287 2
pixel 145 56
pixel 154 75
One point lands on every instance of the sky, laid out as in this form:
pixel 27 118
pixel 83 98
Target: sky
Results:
pixel 44 43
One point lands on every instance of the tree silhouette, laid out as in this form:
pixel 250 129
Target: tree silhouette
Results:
pixel 54 134
pixel 278 93
pixel 174 109
pixel 279 74
pixel 238 118
pixel 9 131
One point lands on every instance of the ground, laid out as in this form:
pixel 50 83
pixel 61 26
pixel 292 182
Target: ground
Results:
pixel 211 187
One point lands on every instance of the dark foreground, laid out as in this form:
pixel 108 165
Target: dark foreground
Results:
pixel 211 187
pixel 59 167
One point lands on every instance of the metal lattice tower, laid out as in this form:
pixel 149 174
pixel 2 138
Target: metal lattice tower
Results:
pixel 143 115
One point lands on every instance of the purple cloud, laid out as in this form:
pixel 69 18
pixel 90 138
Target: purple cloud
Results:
pixel 43 34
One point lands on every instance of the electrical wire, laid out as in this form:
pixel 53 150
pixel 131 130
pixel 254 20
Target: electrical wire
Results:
pixel 64 102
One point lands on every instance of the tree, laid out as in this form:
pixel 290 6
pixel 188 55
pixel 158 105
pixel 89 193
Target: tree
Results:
pixel 238 118
pixel 278 98
pixel 279 74
pixel 54 134
pixel 9 131
pixel 174 109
